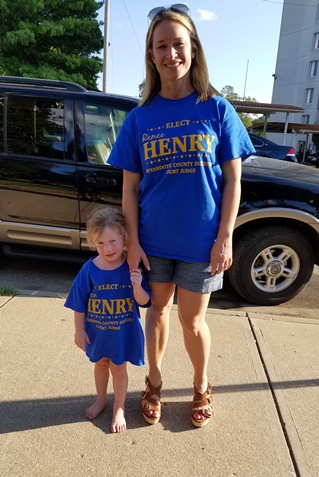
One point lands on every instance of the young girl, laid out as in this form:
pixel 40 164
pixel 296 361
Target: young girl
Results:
pixel 105 297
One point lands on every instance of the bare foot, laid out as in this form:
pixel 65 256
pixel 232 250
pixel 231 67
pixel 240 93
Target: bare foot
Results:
pixel 93 411
pixel 118 421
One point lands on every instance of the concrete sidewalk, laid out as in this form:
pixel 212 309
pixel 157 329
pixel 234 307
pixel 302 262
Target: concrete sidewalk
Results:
pixel 265 378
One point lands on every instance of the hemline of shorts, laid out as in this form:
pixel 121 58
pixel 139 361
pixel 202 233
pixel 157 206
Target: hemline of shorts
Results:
pixel 192 276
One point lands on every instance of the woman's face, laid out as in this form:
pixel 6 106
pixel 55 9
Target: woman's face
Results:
pixel 171 50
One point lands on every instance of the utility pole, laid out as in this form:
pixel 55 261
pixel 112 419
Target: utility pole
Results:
pixel 244 95
pixel 106 43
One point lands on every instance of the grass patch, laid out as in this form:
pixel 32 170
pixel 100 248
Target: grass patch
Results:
pixel 8 290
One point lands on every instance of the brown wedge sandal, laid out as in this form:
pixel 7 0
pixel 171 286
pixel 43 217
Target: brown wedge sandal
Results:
pixel 202 405
pixel 152 404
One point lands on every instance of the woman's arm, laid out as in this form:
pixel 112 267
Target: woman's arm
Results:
pixel 130 204
pixel 222 250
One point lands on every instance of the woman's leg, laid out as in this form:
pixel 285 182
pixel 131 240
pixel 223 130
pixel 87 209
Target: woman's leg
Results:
pixel 192 312
pixel 120 382
pixel 156 333
pixel 101 376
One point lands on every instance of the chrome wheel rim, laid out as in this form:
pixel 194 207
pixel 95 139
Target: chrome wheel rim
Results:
pixel 275 268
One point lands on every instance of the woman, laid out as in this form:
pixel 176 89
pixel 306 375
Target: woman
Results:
pixel 181 152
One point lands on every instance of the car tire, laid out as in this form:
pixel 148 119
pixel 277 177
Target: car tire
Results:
pixel 271 265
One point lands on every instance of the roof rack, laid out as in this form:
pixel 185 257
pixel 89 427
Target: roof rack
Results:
pixel 45 83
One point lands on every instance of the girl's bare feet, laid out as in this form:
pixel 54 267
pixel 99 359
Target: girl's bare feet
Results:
pixel 93 411
pixel 118 421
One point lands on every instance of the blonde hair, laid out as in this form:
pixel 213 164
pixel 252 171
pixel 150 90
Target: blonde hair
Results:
pixel 198 73
pixel 103 217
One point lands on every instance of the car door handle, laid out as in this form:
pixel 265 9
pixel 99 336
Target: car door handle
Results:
pixel 111 182
pixel 94 179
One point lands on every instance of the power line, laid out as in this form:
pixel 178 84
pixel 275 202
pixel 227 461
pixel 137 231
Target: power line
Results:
pixel 133 28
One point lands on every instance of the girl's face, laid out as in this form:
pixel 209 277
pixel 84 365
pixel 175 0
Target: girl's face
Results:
pixel 172 50
pixel 109 245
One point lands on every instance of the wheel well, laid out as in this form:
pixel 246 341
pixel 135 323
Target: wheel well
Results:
pixel 306 230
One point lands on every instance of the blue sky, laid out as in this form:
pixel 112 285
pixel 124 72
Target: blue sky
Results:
pixel 239 37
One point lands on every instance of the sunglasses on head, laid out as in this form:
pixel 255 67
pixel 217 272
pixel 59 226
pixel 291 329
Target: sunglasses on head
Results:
pixel 176 7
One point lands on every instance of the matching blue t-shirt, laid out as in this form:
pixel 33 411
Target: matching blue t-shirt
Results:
pixel 179 147
pixel 112 318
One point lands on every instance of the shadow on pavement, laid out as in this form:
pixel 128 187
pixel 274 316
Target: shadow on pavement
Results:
pixel 17 416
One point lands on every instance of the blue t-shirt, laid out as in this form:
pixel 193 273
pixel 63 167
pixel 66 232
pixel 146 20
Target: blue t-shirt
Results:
pixel 179 146
pixel 112 319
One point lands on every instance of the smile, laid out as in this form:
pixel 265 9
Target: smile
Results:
pixel 174 65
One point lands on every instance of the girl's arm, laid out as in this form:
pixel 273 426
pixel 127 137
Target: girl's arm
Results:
pixel 80 335
pixel 141 296
pixel 130 204
pixel 221 256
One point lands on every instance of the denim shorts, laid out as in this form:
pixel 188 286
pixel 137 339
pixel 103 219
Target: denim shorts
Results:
pixel 192 276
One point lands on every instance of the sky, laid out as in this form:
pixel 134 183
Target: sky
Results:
pixel 239 37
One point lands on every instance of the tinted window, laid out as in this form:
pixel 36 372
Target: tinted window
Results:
pixel 102 124
pixel 1 123
pixel 36 127
pixel 255 141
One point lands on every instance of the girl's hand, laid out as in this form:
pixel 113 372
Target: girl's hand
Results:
pixel 80 338
pixel 136 277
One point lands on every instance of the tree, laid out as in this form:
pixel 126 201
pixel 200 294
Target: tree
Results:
pixel 228 92
pixel 54 39
pixel 141 87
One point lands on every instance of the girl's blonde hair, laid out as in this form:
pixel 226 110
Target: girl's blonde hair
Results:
pixel 198 73
pixel 103 217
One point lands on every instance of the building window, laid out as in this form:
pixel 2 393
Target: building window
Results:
pixel 305 118
pixel 317 15
pixel 316 40
pixel 313 68
pixel 309 95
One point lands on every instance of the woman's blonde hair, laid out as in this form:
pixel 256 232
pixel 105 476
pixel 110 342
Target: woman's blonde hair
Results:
pixel 198 73
pixel 103 217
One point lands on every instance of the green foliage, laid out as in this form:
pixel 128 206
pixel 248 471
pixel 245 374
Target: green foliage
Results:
pixel 8 290
pixel 54 39
pixel 141 87
pixel 260 119
pixel 228 92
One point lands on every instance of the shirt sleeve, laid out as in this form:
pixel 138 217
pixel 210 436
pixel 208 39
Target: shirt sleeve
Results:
pixel 79 293
pixel 235 141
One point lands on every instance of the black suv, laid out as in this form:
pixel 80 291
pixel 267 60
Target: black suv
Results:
pixel 54 145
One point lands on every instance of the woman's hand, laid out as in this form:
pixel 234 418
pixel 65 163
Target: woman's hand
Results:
pixel 221 256
pixel 135 255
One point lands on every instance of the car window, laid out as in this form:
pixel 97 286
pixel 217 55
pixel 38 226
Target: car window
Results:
pixel 36 127
pixel 102 124
pixel 256 142
pixel 1 124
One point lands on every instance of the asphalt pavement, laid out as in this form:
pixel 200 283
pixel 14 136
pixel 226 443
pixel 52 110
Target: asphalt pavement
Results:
pixel 265 373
